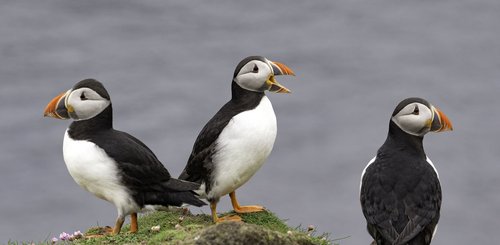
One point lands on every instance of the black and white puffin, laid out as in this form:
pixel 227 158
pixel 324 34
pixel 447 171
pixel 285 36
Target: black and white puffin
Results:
pixel 235 143
pixel 111 164
pixel 400 191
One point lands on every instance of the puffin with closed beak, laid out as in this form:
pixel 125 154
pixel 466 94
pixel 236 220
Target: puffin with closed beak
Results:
pixel 235 143
pixel 400 191
pixel 111 164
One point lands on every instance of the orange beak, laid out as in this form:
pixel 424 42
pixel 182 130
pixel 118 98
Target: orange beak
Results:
pixel 281 69
pixel 57 108
pixel 440 122
pixel 278 69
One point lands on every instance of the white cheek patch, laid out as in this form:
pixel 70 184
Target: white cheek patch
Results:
pixel 411 124
pixel 253 81
pixel 90 108
pixel 86 108
pixel 414 124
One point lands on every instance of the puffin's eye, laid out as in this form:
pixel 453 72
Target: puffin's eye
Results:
pixel 255 69
pixel 82 96
pixel 416 111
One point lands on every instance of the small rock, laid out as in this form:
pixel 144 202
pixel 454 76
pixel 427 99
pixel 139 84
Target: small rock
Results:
pixel 178 226
pixel 185 211
pixel 78 234
pixel 155 228
pixel 226 233
pixel 311 228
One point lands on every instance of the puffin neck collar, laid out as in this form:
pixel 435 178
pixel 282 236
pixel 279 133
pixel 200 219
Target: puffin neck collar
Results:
pixel 240 94
pixel 403 140
pixel 102 121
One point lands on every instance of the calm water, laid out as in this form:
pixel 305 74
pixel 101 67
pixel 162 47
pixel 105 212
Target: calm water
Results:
pixel 168 67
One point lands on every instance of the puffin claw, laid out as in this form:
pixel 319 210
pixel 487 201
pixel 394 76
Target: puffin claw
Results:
pixel 229 218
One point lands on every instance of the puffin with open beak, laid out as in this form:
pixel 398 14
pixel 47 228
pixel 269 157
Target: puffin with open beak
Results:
pixel 235 143
pixel 400 191
pixel 112 164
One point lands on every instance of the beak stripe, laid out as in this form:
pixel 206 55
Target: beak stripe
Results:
pixel 445 122
pixel 56 107
pixel 50 109
pixel 283 69
pixel 441 122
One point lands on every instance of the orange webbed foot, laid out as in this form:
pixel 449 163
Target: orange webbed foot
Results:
pixel 249 209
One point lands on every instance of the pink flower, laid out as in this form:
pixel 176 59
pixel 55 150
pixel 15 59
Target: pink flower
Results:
pixel 54 240
pixel 64 236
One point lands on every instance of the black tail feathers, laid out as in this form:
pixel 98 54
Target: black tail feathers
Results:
pixel 173 198
pixel 180 185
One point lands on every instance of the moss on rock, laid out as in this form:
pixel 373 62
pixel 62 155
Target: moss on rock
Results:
pixel 236 233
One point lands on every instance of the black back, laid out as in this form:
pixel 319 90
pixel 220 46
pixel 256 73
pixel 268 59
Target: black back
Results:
pixel 200 164
pixel 400 193
pixel 140 170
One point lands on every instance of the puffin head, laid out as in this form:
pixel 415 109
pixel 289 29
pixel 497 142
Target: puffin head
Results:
pixel 256 73
pixel 85 100
pixel 417 117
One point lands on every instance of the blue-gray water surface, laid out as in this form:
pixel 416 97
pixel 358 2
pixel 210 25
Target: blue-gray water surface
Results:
pixel 168 67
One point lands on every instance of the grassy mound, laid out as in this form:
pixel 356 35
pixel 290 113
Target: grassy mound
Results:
pixel 180 227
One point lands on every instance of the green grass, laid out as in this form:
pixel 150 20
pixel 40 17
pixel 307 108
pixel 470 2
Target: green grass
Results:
pixel 191 226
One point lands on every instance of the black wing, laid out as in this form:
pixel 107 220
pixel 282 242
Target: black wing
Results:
pixel 400 204
pixel 200 164
pixel 143 173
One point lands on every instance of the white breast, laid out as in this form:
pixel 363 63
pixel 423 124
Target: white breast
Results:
pixel 242 148
pixel 432 165
pixel 96 172
pixel 364 171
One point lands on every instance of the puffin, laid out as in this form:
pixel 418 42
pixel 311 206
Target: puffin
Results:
pixel 237 140
pixel 111 164
pixel 400 192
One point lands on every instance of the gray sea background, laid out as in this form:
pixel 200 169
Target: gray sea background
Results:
pixel 168 66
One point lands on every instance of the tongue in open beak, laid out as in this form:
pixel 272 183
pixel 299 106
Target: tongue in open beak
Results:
pixel 278 70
